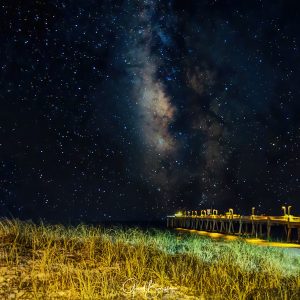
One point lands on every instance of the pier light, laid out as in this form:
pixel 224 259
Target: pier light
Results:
pixel 215 212
pixel 253 211
pixel 178 214
pixel 289 210
pixel 231 211
pixel 284 210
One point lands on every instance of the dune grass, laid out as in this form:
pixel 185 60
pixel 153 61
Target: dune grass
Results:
pixel 55 262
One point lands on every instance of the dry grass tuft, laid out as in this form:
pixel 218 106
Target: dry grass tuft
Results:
pixel 55 262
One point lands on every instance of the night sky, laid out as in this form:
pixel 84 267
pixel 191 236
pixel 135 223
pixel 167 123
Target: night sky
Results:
pixel 131 110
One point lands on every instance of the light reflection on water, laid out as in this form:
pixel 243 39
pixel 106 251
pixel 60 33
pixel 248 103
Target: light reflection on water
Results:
pixel 228 237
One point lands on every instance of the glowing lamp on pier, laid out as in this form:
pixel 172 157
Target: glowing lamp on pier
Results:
pixel 284 210
pixel 179 214
pixel 215 212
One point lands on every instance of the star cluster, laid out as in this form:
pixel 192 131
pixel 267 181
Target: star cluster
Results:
pixel 129 110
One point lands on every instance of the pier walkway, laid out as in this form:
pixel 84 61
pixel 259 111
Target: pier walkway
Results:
pixel 230 223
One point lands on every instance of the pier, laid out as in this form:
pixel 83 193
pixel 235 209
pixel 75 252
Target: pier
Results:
pixel 254 225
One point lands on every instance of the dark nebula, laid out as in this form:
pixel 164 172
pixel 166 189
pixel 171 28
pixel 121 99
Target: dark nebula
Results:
pixel 131 110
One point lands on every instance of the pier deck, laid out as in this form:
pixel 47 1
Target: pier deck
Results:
pixel 257 226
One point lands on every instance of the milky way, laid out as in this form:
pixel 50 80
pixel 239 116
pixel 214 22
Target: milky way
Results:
pixel 156 110
pixel 126 110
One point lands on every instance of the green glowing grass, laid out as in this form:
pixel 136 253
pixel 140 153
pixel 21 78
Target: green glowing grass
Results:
pixel 54 262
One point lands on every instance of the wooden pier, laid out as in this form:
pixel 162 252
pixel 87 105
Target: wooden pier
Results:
pixel 230 223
